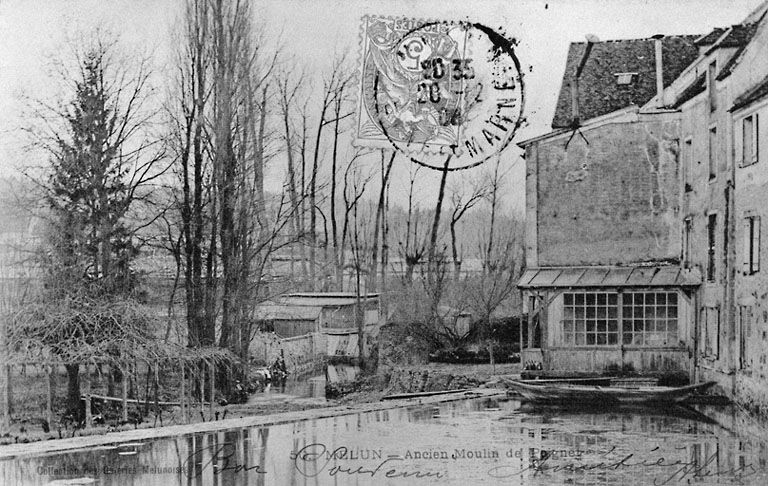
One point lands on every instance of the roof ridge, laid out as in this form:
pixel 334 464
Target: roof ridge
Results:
pixel 637 39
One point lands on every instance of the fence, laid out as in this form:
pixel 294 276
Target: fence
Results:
pixel 34 397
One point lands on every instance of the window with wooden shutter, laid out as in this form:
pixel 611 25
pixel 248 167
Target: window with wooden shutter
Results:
pixel 756 131
pixel 755 246
pixel 750 145
pixel 712 153
pixel 711 241
pixel 710 332
pixel 751 245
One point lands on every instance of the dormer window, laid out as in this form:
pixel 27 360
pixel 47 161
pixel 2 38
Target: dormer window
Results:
pixel 624 79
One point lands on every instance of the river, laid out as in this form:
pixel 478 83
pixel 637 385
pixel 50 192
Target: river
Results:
pixel 466 442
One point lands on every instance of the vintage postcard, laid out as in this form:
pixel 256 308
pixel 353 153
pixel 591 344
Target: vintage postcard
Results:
pixel 261 242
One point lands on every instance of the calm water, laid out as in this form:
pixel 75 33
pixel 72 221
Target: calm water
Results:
pixel 481 441
pixel 310 385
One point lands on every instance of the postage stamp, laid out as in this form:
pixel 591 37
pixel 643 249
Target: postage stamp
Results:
pixel 445 94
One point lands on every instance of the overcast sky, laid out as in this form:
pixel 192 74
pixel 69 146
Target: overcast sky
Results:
pixel 312 31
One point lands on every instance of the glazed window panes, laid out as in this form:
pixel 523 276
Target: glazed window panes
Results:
pixel 650 318
pixel 590 318
pixel 633 318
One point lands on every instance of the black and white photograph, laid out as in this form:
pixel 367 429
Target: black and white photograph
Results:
pixel 326 242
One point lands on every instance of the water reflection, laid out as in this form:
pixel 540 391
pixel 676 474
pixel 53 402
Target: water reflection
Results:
pixel 311 385
pixel 478 441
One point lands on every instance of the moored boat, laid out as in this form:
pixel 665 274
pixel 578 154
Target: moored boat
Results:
pixel 568 393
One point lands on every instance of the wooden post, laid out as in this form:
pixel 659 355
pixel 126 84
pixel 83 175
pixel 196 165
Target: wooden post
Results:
pixel 183 397
pixel 49 398
pixel 544 329
pixel 87 390
pixel 520 329
pixel 202 387
pixel 213 387
pixel 157 387
pixel 124 387
pixel 5 381
pixel 531 309
pixel 5 402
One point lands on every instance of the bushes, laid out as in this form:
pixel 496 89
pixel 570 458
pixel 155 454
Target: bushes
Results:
pixel 502 353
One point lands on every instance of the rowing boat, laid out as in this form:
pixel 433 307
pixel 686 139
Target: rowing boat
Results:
pixel 566 393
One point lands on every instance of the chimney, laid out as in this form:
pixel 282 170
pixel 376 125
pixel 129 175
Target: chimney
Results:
pixel 659 70
pixel 575 115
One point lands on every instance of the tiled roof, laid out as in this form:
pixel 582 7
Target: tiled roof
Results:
pixel 699 85
pixel 738 36
pixel 759 91
pixel 743 35
pixel 709 39
pixel 645 276
pixel 600 94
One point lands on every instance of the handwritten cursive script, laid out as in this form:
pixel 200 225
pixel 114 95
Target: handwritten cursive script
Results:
pixel 683 469
pixel 314 459
pixel 222 458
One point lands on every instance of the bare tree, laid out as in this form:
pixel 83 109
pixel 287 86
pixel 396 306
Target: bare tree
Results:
pixel 386 170
pixel 290 87
pixel 222 142
pixel 461 202
pixel 495 182
pixel 432 250
pixel 355 183
pixel 189 143
pixel 414 249
pixel 333 89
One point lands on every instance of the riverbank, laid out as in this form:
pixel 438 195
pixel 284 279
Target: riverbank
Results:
pixel 125 438
pixel 367 389
pixel 425 378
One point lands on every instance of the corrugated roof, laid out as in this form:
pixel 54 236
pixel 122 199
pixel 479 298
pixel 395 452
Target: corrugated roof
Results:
pixel 645 276
pixel 600 94
pixel 270 312
pixel 755 93
pixel 335 299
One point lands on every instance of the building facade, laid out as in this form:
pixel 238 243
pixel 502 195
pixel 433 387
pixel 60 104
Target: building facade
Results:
pixel 668 191
pixel 603 279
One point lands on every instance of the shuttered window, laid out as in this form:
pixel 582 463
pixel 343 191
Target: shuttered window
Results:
pixel 751 245
pixel 711 241
pixel 710 332
pixel 750 141
pixel 712 153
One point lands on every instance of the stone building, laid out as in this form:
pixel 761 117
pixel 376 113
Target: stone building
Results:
pixel 690 162
pixel 719 98
pixel 603 279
